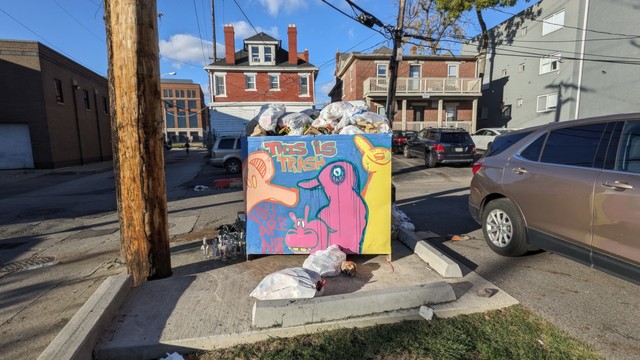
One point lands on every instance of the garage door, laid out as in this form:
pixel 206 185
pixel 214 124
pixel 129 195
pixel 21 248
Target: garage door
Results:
pixel 15 147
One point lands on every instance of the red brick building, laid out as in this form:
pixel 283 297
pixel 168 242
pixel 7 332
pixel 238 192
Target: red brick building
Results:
pixel 185 113
pixel 54 112
pixel 431 91
pixel 261 72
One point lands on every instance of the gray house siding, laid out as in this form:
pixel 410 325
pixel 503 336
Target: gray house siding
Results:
pixel 513 77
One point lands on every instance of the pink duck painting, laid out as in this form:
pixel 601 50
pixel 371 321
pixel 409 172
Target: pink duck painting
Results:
pixel 345 215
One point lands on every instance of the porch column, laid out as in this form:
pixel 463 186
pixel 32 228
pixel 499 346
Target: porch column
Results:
pixel 404 114
pixel 440 106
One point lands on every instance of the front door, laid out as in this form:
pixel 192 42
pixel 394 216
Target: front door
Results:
pixel 418 113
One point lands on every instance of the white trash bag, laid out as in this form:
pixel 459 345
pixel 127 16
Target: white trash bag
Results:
pixel 291 283
pixel 326 262
pixel 269 114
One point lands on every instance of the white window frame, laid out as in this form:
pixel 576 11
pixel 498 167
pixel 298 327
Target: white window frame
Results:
pixel 304 76
pixel 455 67
pixel 380 110
pixel 521 68
pixel 261 57
pixel 268 58
pixel 523 31
pixel 504 72
pixel 550 63
pixel 551 98
pixel 254 58
pixel 519 102
pixel 451 112
pixel 216 79
pixel 350 79
pixel 248 77
pixel 277 77
pixel 553 23
pixel 381 67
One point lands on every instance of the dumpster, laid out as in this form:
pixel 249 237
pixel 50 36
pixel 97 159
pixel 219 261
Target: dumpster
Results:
pixel 305 193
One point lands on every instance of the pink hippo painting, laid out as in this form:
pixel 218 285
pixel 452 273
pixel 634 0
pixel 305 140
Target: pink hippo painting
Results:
pixel 306 237
pixel 345 214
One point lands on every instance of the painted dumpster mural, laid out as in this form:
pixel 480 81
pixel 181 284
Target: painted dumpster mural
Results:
pixel 304 193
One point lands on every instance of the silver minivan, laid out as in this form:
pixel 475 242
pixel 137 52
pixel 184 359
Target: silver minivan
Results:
pixel 571 187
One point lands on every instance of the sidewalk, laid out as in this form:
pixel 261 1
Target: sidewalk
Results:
pixel 206 303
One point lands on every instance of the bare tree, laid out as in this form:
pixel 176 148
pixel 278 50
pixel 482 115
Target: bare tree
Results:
pixel 430 26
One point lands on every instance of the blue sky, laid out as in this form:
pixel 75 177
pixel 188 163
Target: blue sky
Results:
pixel 76 29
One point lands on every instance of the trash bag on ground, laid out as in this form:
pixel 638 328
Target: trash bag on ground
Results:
pixel 290 283
pixel 269 115
pixel 326 262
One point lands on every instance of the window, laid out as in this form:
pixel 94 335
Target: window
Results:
pixel 519 102
pixel 452 70
pixel 192 104
pixel 523 31
pixel 553 23
pixel 182 136
pixel 582 142
pixel 194 136
pixel 193 120
pixel 171 119
pixel 255 54
pixel 547 102
pixel 304 85
pixel 380 110
pixel 250 81
pixel 85 98
pixel 414 74
pixel 506 111
pixel 504 72
pixel 180 104
pixel 521 68
pixel 168 104
pixel 274 82
pixel 226 143
pixel 350 79
pixel 105 105
pixel 165 93
pixel 532 152
pixel 550 63
pixel 381 70
pixel 268 56
pixel 191 94
pixel 181 93
pixel 451 112
pixel 219 81
pixel 182 119
pixel 58 86
pixel 628 158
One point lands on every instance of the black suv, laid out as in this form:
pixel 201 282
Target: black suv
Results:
pixel 442 146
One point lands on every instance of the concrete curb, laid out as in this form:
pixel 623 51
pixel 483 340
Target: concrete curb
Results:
pixel 440 262
pixel 79 337
pixel 285 313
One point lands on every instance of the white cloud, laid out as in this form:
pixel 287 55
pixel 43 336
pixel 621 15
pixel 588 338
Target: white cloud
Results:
pixel 326 87
pixel 186 49
pixel 243 30
pixel 288 6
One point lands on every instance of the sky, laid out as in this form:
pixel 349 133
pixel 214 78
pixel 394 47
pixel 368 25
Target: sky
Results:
pixel 75 28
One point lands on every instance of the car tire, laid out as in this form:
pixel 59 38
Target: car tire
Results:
pixel 430 160
pixel 405 152
pixel 233 166
pixel 503 228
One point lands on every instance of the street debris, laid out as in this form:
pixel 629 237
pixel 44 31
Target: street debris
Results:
pixel 290 283
pixel 348 268
pixel 200 188
pixel 426 312
pixel 400 220
pixel 173 356
pixel 460 237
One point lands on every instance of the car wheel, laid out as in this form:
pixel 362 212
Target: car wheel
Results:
pixel 233 166
pixel 503 228
pixel 405 151
pixel 430 160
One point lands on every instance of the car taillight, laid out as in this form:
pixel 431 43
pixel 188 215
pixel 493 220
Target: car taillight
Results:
pixel 438 148
pixel 400 139
pixel 476 167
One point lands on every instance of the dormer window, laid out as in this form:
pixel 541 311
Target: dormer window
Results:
pixel 261 54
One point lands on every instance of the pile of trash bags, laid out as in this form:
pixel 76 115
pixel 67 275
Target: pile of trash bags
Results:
pixel 307 281
pixel 336 118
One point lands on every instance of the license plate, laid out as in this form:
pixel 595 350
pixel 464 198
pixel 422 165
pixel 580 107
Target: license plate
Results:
pixel 458 149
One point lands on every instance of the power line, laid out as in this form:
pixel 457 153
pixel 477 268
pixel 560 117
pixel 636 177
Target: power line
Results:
pixel 78 21
pixel 195 9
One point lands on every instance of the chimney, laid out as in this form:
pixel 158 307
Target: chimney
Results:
pixel 306 55
pixel 293 44
pixel 229 46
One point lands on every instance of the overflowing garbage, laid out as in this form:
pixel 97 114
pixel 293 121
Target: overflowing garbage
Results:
pixel 336 118
pixel 230 242
pixel 307 281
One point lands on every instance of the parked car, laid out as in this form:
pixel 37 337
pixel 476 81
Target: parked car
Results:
pixel 441 146
pixel 571 187
pixel 227 152
pixel 399 138
pixel 483 138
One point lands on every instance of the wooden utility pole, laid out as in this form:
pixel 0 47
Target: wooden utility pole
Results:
pixel 393 64
pixel 136 125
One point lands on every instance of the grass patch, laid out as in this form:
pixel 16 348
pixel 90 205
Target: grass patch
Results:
pixel 511 333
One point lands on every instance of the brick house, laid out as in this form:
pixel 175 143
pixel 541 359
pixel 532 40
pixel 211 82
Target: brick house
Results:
pixel 262 72
pixel 54 112
pixel 431 90
pixel 185 115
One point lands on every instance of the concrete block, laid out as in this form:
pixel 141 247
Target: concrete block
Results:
pixel 285 313
pixel 78 338
pixel 440 262
pixel 426 312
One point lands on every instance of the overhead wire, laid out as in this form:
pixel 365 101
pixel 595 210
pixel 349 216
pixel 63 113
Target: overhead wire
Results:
pixel 195 8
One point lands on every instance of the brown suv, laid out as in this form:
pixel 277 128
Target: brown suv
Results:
pixel 572 188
